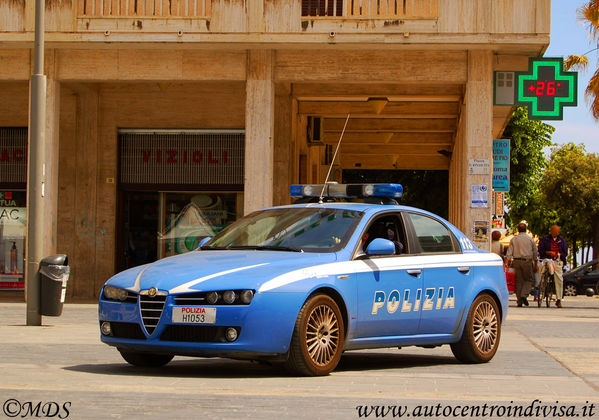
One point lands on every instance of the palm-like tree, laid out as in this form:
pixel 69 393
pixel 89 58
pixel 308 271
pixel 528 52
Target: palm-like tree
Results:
pixel 589 14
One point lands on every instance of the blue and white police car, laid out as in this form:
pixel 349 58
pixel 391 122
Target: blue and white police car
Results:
pixel 302 283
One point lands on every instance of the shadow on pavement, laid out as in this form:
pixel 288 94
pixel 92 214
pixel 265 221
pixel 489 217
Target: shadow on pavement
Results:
pixel 226 368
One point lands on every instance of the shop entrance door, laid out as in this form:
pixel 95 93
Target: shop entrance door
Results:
pixel 155 225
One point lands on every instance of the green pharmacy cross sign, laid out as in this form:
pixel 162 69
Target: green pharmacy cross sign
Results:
pixel 546 88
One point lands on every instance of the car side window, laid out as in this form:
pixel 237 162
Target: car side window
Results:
pixel 431 235
pixel 389 227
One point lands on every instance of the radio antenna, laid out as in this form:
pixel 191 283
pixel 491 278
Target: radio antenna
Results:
pixel 333 160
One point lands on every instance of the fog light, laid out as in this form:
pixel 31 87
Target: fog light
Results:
pixel 247 296
pixel 229 296
pixel 106 328
pixel 231 334
pixel 212 298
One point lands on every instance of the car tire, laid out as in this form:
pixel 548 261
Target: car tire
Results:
pixel 481 334
pixel 597 288
pixel 570 289
pixel 318 338
pixel 145 359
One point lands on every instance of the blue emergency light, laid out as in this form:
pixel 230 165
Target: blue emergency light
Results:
pixel 333 190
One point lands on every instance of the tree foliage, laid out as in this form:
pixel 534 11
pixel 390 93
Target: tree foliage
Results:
pixel 528 139
pixel 588 13
pixel 570 186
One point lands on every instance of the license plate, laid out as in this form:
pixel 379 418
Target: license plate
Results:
pixel 194 315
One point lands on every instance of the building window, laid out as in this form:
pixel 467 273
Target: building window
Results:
pixel 322 7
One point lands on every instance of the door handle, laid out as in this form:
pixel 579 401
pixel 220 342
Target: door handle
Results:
pixel 464 269
pixel 415 272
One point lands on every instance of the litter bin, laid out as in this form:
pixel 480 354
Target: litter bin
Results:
pixel 54 274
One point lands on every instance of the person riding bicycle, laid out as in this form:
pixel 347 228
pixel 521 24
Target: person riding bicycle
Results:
pixel 554 246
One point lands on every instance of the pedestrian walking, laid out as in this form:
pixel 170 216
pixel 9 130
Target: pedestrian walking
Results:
pixel 554 246
pixel 522 254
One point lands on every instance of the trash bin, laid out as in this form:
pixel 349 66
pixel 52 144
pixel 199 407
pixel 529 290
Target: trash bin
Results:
pixel 54 274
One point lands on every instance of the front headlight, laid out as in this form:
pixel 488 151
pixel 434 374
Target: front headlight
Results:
pixel 115 293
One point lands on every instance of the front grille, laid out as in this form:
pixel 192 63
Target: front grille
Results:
pixel 127 330
pixel 195 333
pixel 151 310
pixel 191 299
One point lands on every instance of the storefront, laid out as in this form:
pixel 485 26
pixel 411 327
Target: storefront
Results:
pixel 13 209
pixel 175 187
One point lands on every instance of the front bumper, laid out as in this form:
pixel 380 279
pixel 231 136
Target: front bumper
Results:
pixel 265 327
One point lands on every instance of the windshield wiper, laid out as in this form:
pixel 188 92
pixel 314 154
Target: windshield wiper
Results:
pixel 266 248
pixel 214 248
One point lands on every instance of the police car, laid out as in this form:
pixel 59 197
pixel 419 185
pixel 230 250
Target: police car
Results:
pixel 300 284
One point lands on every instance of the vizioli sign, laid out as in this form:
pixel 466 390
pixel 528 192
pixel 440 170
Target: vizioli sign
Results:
pixel 546 88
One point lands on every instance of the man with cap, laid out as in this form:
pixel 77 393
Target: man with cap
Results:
pixel 522 255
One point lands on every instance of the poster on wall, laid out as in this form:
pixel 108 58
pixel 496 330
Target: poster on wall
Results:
pixel 480 196
pixel 13 228
pixel 481 230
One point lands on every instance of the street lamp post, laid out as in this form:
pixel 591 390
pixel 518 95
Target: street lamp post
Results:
pixel 37 170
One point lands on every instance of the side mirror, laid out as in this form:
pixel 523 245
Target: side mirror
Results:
pixel 380 246
pixel 204 241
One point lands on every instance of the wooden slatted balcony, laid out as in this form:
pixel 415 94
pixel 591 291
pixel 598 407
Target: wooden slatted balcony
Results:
pixel 145 8
pixel 371 9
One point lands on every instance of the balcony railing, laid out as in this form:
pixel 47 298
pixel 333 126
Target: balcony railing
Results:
pixel 371 9
pixel 146 8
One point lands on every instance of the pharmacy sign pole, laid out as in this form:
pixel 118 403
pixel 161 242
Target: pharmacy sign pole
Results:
pixel 546 88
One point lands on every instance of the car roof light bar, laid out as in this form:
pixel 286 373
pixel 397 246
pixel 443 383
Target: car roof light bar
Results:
pixel 333 190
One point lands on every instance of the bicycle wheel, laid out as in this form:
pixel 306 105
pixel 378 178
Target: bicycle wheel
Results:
pixel 550 293
pixel 542 289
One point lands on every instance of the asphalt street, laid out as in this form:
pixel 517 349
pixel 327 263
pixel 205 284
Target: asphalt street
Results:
pixel 546 354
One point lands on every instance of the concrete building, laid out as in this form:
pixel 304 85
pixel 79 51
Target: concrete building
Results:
pixel 161 113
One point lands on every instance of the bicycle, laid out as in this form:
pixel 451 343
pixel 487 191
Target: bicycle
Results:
pixel 547 282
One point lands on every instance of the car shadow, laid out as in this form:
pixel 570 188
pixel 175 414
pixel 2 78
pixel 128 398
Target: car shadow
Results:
pixel 227 368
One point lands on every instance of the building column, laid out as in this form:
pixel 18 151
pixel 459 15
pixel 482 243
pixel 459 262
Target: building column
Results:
pixel 477 140
pixel 283 159
pixel 259 130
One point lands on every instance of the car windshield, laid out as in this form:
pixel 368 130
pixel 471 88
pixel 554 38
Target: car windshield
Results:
pixel 592 264
pixel 289 229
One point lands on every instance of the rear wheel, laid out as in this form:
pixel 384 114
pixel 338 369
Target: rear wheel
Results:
pixel 570 289
pixel 318 338
pixel 480 338
pixel 145 359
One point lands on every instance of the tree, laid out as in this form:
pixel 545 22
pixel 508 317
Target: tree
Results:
pixel 589 14
pixel 570 185
pixel 528 139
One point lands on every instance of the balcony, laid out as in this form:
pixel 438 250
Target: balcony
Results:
pixel 211 20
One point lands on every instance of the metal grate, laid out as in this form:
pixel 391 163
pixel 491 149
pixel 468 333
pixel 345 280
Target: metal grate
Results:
pixel 151 311
pixel 128 330
pixel 195 333
pixel 13 155
pixel 191 299
pixel 186 158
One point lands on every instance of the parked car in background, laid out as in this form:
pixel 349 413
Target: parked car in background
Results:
pixel 581 278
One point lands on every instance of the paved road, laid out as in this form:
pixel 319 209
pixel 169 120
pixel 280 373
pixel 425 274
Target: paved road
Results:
pixel 546 354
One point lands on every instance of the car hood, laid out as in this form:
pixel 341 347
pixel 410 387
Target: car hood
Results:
pixel 215 270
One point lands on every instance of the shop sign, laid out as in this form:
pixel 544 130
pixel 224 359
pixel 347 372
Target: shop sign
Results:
pixel 546 88
pixel 499 203
pixel 501 165
pixel 182 158
pixel 478 166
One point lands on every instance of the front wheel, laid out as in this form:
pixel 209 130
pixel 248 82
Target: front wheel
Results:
pixel 318 337
pixel 145 359
pixel 480 338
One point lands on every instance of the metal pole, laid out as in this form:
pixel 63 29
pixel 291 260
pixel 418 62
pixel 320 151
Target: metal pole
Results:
pixel 36 178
